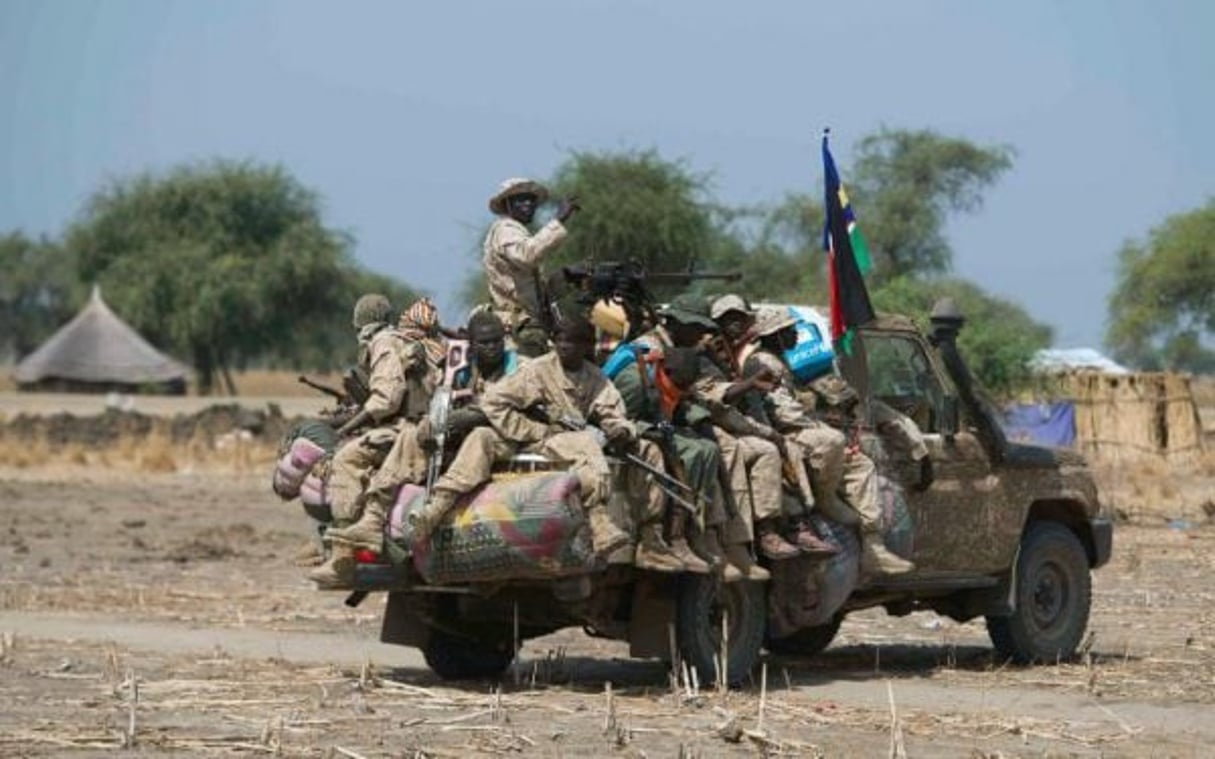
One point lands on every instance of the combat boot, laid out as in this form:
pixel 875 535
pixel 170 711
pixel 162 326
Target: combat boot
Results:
pixel 653 553
pixel 740 558
pixel 772 545
pixel 680 547
pixel 337 573
pixel 876 559
pixel 706 545
pixel 605 535
pixel 368 531
pixel 810 543
pixel 310 554
pixel 423 522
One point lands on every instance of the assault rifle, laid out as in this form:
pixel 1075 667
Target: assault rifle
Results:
pixel 627 284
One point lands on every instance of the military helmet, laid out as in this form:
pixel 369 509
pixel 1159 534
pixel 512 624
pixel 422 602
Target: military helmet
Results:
pixel 516 186
pixel 727 303
pixel 371 308
pixel 771 320
pixel 690 309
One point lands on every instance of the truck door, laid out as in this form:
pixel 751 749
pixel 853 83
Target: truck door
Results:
pixel 955 518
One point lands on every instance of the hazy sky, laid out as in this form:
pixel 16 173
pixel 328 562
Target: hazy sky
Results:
pixel 404 116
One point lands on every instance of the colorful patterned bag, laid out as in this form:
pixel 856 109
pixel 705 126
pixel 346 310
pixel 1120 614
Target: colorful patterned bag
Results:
pixel 526 527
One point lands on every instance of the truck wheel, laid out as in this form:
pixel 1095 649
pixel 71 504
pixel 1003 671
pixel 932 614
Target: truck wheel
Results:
pixel 1053 596
pixel 807 641
pixel 702 603
pixel 453 657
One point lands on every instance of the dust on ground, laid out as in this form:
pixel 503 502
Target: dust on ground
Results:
pixel 162 610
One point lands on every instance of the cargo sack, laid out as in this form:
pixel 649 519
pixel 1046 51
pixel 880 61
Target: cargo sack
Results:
pixel 807 590
pixel 898 530
pixel 529 527
pixel 302 447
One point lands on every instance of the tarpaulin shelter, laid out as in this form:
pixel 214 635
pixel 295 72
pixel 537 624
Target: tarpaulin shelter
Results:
pixel 98 352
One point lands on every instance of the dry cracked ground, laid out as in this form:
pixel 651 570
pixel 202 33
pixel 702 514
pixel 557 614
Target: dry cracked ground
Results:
pixel 162 614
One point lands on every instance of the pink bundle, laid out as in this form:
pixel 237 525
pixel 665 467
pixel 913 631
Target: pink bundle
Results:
pixel 294 466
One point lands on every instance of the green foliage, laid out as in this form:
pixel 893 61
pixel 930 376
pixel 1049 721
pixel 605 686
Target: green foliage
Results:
pixel 223 263
pixel 38 292
pixel 1162 310
pixel 905 183
pixel 999 338
pixel 636 205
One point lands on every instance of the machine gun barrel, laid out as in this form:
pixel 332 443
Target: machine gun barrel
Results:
pixel 685 277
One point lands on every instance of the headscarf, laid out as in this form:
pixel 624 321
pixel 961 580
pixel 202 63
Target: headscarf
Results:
pixel 420 322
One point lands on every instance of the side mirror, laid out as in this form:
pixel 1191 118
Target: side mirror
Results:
pixel 949 416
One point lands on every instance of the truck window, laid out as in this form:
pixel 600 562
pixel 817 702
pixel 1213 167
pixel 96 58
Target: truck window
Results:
pixel 901 375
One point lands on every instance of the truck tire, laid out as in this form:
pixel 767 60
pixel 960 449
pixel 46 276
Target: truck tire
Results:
pixel 807 641
pixel 702 603
pixel 454 657
pixel 1052 600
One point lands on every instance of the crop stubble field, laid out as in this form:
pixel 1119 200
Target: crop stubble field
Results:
pixel 148 599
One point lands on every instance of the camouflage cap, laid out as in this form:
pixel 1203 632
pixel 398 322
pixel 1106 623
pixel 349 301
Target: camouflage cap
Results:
pixel 771 320
pixel 371 308
pixel 516 186
pixel 727 303
pixel 690 309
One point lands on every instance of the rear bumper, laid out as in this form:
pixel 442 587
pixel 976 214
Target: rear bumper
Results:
pixel 1103 540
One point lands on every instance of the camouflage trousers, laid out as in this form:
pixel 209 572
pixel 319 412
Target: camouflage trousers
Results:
pixel 352 468
pixel 696 465
pixel 483 447
pixel 405 462
pixel 753 468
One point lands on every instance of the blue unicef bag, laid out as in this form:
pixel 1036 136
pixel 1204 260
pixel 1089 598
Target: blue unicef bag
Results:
pixel 812 355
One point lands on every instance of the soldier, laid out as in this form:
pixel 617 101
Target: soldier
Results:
pixel 837 466
pixel 750 450
pixel 736 322
pixel 653 389
pixel 545 407
pixel 513 257
pixel 400 381
pixel 490 361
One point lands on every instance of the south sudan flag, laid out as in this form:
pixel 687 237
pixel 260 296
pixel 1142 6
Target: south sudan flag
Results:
pixel 847 258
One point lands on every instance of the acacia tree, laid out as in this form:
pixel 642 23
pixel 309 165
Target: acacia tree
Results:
pixel 1000 338
pixel 906 183
pixel 38 292
pixel 221 262
pixel 1162 309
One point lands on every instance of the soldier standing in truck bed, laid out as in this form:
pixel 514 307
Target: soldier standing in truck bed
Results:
pixel 513 258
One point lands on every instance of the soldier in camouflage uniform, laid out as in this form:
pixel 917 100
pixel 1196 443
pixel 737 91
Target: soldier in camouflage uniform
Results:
pixel 400 381
pixel 653 388
pixel 513 258
pixel 750 450
pixel 836 466
pixel 545 407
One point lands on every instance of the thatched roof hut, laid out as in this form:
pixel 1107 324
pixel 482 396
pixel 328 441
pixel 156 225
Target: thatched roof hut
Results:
pixel 98 352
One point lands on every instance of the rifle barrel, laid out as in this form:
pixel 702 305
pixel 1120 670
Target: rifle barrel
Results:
pixel 692 276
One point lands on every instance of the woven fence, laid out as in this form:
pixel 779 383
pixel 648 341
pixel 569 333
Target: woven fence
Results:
pixel 1130 417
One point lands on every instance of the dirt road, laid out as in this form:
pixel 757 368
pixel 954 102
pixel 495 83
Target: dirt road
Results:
pixel 184 585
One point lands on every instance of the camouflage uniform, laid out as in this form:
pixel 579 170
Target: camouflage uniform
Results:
pixel 512 259
pixel 697 464
pixel 400 381
pixel 583 395
pixel 399 392
pixel 751 465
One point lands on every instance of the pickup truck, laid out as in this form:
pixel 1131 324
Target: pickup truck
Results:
pixel 1006 531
